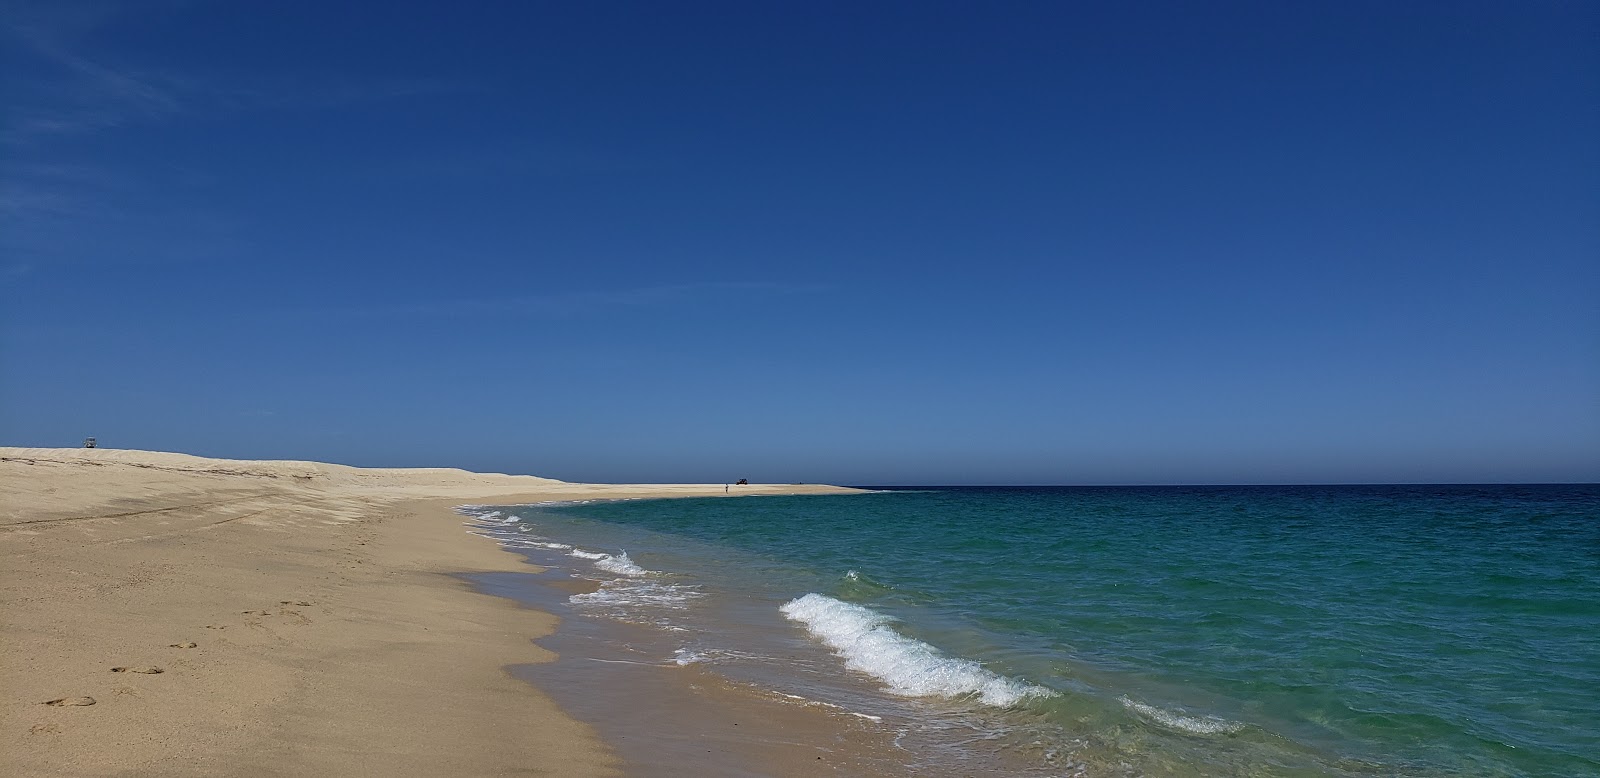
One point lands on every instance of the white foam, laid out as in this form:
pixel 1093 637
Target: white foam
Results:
pixel 1209 725
pixel 810 703
pixel 511 518
pixel 611 563
pixel 626 594
pixel 620 564
pixel 909 667
pixel 688 656
pixel 512 542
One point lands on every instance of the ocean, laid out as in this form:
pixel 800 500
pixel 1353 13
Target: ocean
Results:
pixel 1126 631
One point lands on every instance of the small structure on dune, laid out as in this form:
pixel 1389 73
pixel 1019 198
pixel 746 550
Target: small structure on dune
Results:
pixel 88 442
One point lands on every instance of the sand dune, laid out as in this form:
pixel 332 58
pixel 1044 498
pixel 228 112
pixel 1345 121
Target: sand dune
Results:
pixel 166 614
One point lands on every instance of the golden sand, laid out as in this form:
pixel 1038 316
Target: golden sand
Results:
pixel 162 614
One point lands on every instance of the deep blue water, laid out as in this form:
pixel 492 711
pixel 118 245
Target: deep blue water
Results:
pixel 1415 630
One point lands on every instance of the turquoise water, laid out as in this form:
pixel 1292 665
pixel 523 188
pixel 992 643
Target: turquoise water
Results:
pixel 1139 631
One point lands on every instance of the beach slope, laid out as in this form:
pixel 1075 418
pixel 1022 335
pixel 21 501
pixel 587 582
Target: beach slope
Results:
pixel 302 616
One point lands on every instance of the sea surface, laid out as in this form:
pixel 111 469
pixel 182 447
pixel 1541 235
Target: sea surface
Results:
pixel 1129 631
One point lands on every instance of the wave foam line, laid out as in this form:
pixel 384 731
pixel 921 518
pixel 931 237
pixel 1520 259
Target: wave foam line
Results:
pixel 909 667
pixel 625 593
pixel 620 564
pixel 611 563
pixel 1210 725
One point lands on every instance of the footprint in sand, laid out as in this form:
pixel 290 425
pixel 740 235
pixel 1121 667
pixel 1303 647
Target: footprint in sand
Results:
pixel 190 644
pixel 144 670
pixel 214 626
pixel 301 603
pixel 66 701
pixel 295 617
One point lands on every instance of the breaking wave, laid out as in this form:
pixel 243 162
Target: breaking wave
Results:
pixel 911 668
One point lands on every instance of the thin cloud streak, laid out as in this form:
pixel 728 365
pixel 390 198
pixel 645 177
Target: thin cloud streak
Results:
pixel 57 204
pixel 70 93
pixel 75 94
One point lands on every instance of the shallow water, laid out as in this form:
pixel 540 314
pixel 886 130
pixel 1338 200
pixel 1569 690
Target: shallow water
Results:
pixel 1131 631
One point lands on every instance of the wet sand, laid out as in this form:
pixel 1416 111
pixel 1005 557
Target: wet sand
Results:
pixel 667 720
pixel 305 619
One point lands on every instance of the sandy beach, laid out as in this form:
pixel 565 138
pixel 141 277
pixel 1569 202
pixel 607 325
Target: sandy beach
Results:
pixel 174 615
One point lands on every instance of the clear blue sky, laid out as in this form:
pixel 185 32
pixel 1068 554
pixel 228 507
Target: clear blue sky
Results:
pixel 852 242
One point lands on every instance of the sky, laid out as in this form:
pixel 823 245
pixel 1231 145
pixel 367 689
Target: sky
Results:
pixel 865 243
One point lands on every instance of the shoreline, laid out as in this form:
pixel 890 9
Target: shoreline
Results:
pixel 676 665
pixel 667 717
pixel 334 631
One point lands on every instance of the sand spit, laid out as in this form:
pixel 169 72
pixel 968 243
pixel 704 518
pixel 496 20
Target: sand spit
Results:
pixel 165 614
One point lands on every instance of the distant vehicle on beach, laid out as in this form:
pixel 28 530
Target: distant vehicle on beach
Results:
pixel 742 482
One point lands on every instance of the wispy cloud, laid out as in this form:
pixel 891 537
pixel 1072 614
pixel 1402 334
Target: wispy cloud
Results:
pixel 54 212
pixel 58 89
pixel 41 203
pixel 55 90
pixel 57 204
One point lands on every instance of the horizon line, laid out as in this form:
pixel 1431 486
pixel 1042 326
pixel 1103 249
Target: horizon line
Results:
pixel 1221 485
